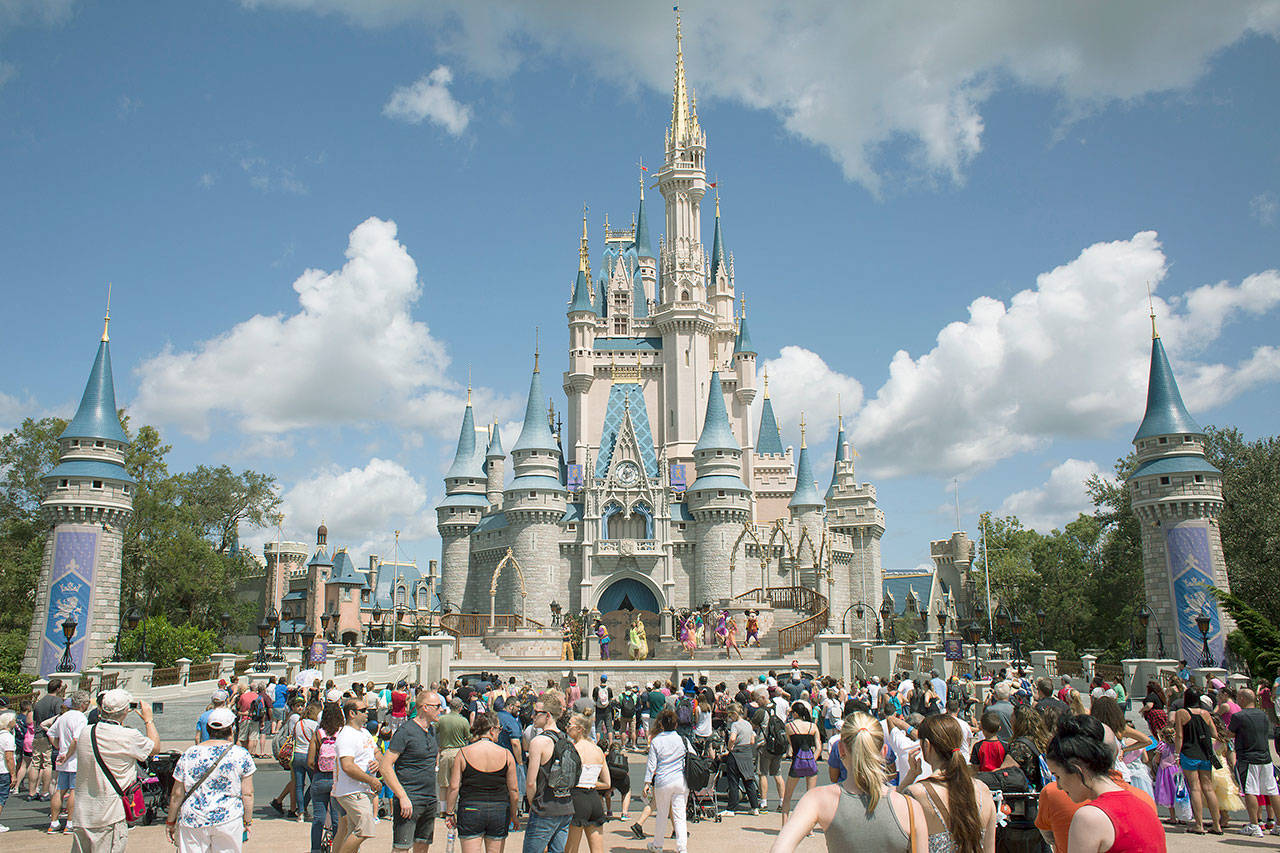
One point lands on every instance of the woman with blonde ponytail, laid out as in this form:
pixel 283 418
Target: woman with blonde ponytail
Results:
pixel 862 812
pixel 959 810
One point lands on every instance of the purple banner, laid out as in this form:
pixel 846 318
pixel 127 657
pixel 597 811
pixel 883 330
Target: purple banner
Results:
pixel 574 477
pixel 1191 572
pixel 70 594
pixel 678 481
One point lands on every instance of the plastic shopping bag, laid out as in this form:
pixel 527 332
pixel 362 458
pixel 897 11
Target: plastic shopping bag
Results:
pixel 1181 800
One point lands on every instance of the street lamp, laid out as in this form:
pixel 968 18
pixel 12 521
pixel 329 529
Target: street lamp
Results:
pixel 979 610
pixel 287 615
pixel 374 640
pixel 1002 616
pixel 134 617
pixel 225 621
pixel 308 637
pixel 859 610
pixel 1041 616
pixel 586 646
pixel 941 616
pixel 1203 624
pixel 264 631
pixel 973 633
pixel 130 621
pixel 1015 625
pixel 886 615
pixel 324 625
pixel 396 625
pixel 67 664
pixel 1144 619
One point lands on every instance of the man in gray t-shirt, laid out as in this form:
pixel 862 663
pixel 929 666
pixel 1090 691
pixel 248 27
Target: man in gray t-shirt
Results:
pixel 409 770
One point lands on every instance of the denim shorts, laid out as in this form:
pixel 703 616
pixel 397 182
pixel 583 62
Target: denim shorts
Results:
pixel 5 782
pixel 66 781
pixel 419 827
pixel 1190 765
pixel 488 819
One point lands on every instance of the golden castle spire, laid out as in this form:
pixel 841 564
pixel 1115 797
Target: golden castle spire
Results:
pixel 802 441
pixel 1152 306
pixel 766 383
pixel 684 110
pixel 584 255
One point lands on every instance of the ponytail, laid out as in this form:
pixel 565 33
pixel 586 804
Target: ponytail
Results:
pixel 964 821
pixel 863 742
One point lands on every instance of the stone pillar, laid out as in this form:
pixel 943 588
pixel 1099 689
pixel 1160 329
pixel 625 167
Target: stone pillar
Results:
pixel 1202 675
pixel 882 660
pixel 435 653
pixel 184 671
pixel 1089 664
pixel 833 655
pixel 226 662
pixel 1042 661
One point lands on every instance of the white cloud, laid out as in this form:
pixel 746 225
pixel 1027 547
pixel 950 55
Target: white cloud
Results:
pixel 1067 358
pixel 1055 502
pixel 7 72
pixel 206 180
pixel 352 354
pixel 854 79
pixel 13 410
pixel 429 99
pixel 268 177
pixel 1263 207
pixel 362 507
pixel 800 381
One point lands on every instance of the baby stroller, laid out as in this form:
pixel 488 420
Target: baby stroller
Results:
pixel 1016 809
pixel 702 802
pixel 156 776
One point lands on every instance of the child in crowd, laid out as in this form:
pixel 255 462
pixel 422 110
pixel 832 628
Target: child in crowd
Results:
pixel 386 798
pixel 988 753
pixel 1167 772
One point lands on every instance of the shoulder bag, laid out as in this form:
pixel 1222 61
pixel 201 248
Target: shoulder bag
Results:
pixel 131 797
pixel 203 776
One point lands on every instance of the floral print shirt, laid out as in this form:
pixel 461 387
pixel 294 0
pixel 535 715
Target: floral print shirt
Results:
pixel 217 800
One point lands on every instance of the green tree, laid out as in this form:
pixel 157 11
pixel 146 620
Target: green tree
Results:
pixel 26 454
pixel 166 642
pixel 216 501
pixel 1250 519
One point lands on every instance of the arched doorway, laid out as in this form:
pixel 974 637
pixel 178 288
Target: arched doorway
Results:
pixel 619 603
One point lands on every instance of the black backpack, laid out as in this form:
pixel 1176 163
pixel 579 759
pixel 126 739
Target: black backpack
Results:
pixel 257 709
pixel 775 735
pixel 564 768
pixel 697 768
pixel 628 704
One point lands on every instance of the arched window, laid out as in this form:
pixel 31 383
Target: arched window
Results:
pixel 400 596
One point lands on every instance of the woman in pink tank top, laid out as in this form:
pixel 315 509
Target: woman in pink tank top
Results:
pixel 1115 820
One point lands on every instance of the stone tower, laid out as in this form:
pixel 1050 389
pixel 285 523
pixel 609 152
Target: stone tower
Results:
pixel 1177 497
pixel 88 501
pixel 465 486
pixel 806 509
pixel 534 504
pixel 718 500
pixel 495 459
pixel 853 511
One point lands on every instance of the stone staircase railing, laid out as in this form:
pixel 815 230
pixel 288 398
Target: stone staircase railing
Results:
pixel 801 634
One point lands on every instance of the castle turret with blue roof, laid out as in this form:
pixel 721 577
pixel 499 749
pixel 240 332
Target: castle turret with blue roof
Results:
pixel 88 501
pixel 1177 495
pixel 465 501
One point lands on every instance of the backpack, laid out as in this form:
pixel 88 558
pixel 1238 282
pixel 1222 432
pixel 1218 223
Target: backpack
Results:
pixel 326 753
pixel 684 711
pixel 697 768
pixel 564 768
pixel 721 705
pixel 628 704
pixel 1008 781
pixel 775 735
pixel 257 709
pixel 604 696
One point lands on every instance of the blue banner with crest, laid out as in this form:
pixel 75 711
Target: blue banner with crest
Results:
pixel 1191 572
pixel 75 553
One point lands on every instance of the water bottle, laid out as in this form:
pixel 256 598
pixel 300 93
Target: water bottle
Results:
pixel 448 843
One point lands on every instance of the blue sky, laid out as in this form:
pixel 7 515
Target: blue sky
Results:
pixel 318 215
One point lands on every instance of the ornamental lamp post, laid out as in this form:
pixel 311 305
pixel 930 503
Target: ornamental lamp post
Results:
pixel 886 613
pixel 68 664
pixel 1203 623
pixel 288 617
pixel 324 625
pixel 308 637
pixel 1041 616
pixel 264 631
pixel 1144 619
pixel 1015 625
pixel 941 616
pixel 396 625
pixel 225 621
pixel 376 625
pixel 979 610
pixel 973 633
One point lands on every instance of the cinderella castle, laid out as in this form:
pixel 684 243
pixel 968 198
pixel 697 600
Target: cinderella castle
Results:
pixel 655 487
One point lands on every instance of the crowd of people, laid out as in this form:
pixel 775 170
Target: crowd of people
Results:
pixel 910 764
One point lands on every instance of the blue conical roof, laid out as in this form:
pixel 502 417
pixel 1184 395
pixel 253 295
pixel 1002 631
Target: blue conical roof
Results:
pixel 743 342
pixel 716 432
pixel 536 433
pixel 717 250
pixel 582 294
pixel 97 416
pixel 639 299
pixel 806 493
pixel 465 460
pixel 769 440
pixel 1166 414
pixel 841 456
pixel 644 248
pixel 495 443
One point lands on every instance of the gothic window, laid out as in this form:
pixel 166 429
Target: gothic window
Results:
pixel 684 296
pixel 619 325
pixel 400 596
pixel 97 484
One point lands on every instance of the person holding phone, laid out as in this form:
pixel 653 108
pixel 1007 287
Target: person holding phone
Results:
pixel 109 746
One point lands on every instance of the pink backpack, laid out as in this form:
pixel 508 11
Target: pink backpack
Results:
pixel 327 752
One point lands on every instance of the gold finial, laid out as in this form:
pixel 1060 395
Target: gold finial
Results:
pixel 742 300
pixel 535 348
pixel 715 357
pixel 468 385
pixel 640 163
pixel 584 255
pixel 106 320
pixel 839 414
pixel 766 383
pixel 1151 305
pixel 802 442
pixel 715 185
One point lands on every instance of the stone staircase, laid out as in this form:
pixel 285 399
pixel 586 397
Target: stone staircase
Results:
pixel 767 650
pixel 474 651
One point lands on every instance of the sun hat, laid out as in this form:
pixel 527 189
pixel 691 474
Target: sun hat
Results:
pixel 221 718
pixel 115 701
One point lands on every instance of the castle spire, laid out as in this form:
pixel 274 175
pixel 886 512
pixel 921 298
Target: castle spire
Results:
pixel 584 254
pixel 106 320
pixel 97 417
pixel 1152 306
pixel 806 493
pixel 1166 413
pixel 684 130
pixel 717 434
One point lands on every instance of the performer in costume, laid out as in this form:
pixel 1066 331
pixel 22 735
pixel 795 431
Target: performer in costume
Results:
pixel 633 640
pixel 687 636
pixel 642 652
pixel 731 639
pixel 695 627
pixel 602 634
pixel 753 626
pixel 722 627
pixel 566 640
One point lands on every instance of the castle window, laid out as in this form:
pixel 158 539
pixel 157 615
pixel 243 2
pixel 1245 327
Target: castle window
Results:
pixel 63 484
pixel 1164 440
pixel 97 484
pixel 126 490
pixel 1186 439
pixel 719 453
pixel 721 493
pixel 98 444
pixel 1199 478
pixel 1164 481
pixel 533 494
pixel 75 442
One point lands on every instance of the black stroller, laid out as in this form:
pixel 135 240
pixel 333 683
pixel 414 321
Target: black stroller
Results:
pixel 156 776
pixel 1018 805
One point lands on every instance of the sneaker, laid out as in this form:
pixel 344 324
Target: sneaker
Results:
pixel 1250 829
pixel 68 826
pixel 638 831
pixel 728 813
pixel 53 828
pixel 1275 830
pixel 278 806
pixel 755 813
pixel 3 828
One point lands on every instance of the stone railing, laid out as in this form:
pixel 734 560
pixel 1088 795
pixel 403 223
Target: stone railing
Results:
pixel 340 666
pixel 165 676
pixel 800 634
pixel 1110 672
pixel 109 681
pixel 393 657
pixel 359 663
pixel 203 672
pixel 479 624
pixel 1073 668
pixel 410 655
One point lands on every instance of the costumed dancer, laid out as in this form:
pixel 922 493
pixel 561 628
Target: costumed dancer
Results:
pixel 731 639
pixel 695 628
pixel 566 639
pixel 602 634
pixel 687 638
pixel 722 627
pixel 753 627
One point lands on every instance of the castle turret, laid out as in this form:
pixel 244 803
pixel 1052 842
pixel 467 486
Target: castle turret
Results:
pixel 646 258
pixel 495 461
pixel 806 507
pixel 852 511
pixel 1177 496
pixel 718 499
pixel 533 504
pixel 465 486
pixel 720 284
pixel 88 501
